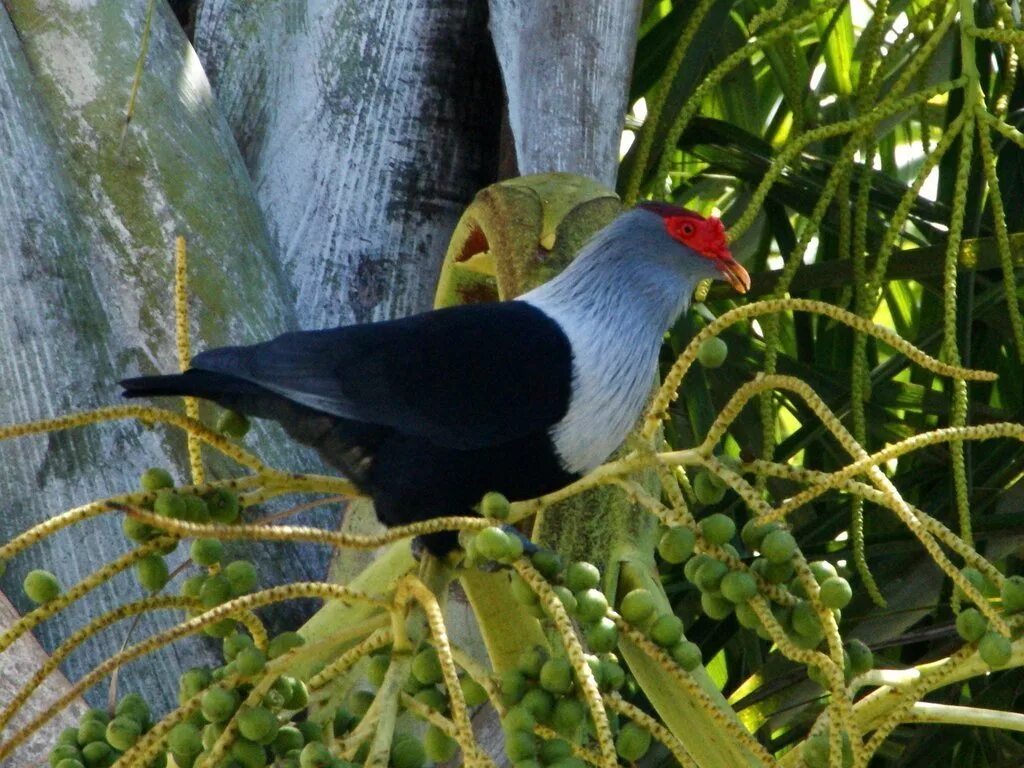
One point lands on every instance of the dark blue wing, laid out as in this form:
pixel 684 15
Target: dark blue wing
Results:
pixel 462 377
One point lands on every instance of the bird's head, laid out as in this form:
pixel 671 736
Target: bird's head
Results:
pixel 688 242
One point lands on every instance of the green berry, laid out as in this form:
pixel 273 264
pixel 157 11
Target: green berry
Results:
pixel 676 544
pixel 602 636
pixel 407 752
pixel 232 424
pixel 41 586
pixel 212 732
pixel 591 605
pixel 248 753
pixel 134 706
pixel 547 562
pixel 747 616
pixel 439 746
pixel 315 755
pixel 581 575
pixel 836 593
pixel 823 570
pixel 241 576
pixel 70 763
pixel 220 629
pixel 216 589
pixel 288 738
pixel 474 693
pixel 806 622
pixel 738 586
pixel 1013 594
pixel 539 702
pixel 169 504
pixel 433 698
pixel 377 668
pixel 219 704
pixel 632 742
pixel 284 642
pixel 156 478
pixel 426 667
pixel 234 644
pixel 687 655
pixel 138 531
pixel 667 630
pixel 66 751
pixel 258 724
pixel 122 732
pixel 68 736
pixel 91 729
pixel 359 702
pixel 556 675
pixel 531 660
pixel 493 544
pixel 568 715
pixel 638 606
pixel 495 505
pixel 778 546
pixel 185 739
pixel 192 682
pixel 195 509
pixel 718 528
pixel 707 490
pixel 513 686
pixel 710 574
pixel 712 353
pixel 343 721
pixel 152 573
pixel 754 531
pixel 971 624
pixel 995 650
pixel 715 606
pixel 98 754
pixel 206 552
pixel 222 505
pixel 860 656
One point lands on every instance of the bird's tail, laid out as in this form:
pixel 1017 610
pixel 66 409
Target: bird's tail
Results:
pixel 193 383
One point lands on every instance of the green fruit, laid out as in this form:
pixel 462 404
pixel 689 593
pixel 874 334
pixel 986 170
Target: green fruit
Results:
pixel 602 636
pixel 152 573
pixel 556 675
pixel 438 745
pixel 155 478
pixel 122 732
pixel 407 752
pixel 718 528
pixel 138 531
pixel 539 703
pixel 258 724
pixel 41 586
pixel 581 575
pixel 513 686
pixel 248 753
pixel 68 736
pixel 707 490
pixel 216 589
pixel 566 597
pixel 219 704
pixel 288 738
pixel 377 668
pixel 554 750
pixel 747 616
pixel 548 563
pixel 738 586
pixel 315 755
pixel 520 745
pixel 778 547
pixel 638 606
pixel 712 353
pixel 667 630
pixel 206 552
pixel 359 702
pixel 232 424
pixel 978 581
pixel 222 505
pixel 91 730
pixel 971 624
pixel 676 544
pixel 518 718
pixel 494 505
pixel 836 593
pixel 343 721
pixel 568 715
pixel 754 531
pixel 212 732
pixel 591 605
pixel 474 693
pixel 860 656
pixel 632 742
pixel 531 660
pixel 70 763
pixel 66 751
pixel 806 622
pixel 134 706
pixel 241 575
pixel 98 754
pixel 995 650
pixel 169 504
pixel 710 574
pixel 234 644
pixel 433 698
pixel 426 667
pixel 1013 594
pixel 195 509
pixel 693 565
pixel 192 682
pixel 823 570
pixel 493 544
pixel 715 606
pixel 220 629
pixel 185 739
pixel 687 655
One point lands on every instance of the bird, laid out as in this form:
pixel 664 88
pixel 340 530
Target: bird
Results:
pixel 427 413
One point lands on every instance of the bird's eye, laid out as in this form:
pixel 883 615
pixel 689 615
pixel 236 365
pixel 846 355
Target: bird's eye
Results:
pixel 688 229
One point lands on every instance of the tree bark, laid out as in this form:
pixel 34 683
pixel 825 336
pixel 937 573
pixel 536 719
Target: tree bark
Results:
pixel 367 127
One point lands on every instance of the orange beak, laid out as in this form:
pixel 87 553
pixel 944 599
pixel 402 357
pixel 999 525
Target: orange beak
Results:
pixel 734 272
